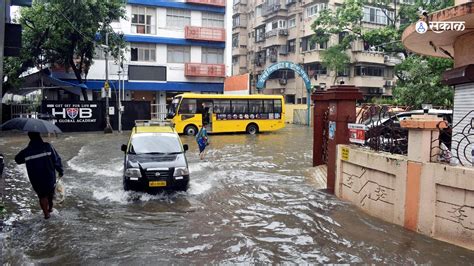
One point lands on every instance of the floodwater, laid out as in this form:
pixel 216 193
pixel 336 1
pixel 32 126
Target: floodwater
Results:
pixel 250 201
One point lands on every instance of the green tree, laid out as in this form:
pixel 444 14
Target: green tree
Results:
pixel 346 21
pixel 66 33
pixel 419 82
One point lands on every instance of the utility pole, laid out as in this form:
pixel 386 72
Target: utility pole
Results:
pixel 119 102
pixel 3 9
pixel 108 128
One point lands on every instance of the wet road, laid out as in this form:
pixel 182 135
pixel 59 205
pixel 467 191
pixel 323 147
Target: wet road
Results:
pixel 250 201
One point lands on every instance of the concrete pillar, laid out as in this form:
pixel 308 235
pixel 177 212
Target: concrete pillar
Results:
pixel 423 129
pixel 340 104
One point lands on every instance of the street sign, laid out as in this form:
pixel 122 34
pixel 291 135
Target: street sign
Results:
pixel 106 86
pixel 357 133
pixel 105 93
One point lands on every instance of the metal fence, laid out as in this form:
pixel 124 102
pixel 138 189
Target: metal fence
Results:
pixel 158 111
pixel 29 110
pixel 455 143
pixel 383 128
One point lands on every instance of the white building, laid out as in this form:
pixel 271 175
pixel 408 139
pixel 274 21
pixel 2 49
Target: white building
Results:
pixel 173 47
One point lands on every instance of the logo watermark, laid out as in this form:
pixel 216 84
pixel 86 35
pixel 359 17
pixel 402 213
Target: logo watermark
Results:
pixel 440 26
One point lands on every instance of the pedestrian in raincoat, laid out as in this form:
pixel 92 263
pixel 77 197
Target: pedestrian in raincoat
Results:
pixel 202 141
pixel 42 161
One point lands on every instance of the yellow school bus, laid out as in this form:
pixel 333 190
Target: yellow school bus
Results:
pixel 227 113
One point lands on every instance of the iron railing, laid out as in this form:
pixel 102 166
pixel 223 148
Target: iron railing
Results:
pixel 384 132
pixel 455 143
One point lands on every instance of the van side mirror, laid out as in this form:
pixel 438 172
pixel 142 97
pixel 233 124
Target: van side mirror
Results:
pixel 124 148
pixel 185 147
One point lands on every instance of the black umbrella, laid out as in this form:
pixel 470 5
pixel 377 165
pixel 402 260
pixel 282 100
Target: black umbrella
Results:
pixel 31 125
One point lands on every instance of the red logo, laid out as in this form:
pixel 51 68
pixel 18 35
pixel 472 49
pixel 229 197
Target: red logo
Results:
pixel 72 112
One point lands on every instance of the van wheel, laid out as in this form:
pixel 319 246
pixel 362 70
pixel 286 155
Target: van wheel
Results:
pixel 252 129
pixel 190 130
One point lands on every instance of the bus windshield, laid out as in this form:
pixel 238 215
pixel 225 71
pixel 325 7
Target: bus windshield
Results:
pixel 173 107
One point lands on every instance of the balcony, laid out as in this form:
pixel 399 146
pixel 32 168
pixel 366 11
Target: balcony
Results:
pixel 392 60
pixel 204 70
pixel 220 3
pixel 205 34
pixel 267 10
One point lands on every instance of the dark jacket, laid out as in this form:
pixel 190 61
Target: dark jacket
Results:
pixel 41 162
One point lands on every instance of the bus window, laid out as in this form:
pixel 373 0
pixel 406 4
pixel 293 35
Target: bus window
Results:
pixel 240 106
pixel 268 106
pixel 188 106
pixel 256 106
pixel 221 106
pixel 173 107
pixel 277 106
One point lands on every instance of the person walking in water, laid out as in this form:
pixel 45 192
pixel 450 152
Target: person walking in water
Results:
pixel 202 141
pixel 42 161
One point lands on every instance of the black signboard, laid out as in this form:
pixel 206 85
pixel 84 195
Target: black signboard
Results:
pixel 77 116
pixel 90 116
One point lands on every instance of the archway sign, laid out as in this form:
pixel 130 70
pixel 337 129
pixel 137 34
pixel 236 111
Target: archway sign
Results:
pixel 292 66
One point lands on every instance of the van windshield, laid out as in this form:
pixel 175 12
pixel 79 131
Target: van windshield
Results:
pixel 155 143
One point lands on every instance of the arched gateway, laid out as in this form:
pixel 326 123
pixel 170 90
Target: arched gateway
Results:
pixel 291 66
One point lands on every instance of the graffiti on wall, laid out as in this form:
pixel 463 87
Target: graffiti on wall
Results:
pixel 368 189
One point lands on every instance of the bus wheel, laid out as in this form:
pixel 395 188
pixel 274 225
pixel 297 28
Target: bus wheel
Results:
pixel 190 130
pixel 252 129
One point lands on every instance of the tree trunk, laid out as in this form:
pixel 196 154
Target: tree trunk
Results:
pixel 77 73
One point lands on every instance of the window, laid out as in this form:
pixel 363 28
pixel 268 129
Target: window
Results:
pixel 291 23
pixel 188 106
pixel 258 11
pixel 378 15
pixel 235 60
pixel 214 20
pixel 291 46
pixel 314 9
pixel 178 18
pixel 179 54
pixel 236 21
pixel 240 106
pixel 268 106
pixel 368 71
pixel 235 40
pixel 315 69
pixel 222 106
pixel 212 56
pixel 143 20
pixel 344 72
pixel 256 106
pixel 143 52
pixel 277 106
pixel 308 45
pixel 260 34
pixel 290 99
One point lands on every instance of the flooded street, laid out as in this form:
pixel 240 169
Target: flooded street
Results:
pixel 251 200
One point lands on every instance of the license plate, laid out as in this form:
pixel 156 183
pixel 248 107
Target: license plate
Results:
pixel 157 183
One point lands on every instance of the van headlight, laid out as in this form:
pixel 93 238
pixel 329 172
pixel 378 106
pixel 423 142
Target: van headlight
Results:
pixel 133 172
pixel 181 171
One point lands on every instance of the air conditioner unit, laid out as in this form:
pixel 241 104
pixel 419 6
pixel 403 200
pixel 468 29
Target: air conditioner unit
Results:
pixel 389 83
pixel 283 32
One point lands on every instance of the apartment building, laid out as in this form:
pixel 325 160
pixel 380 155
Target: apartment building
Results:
pixel 268 31
pixel 173 47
